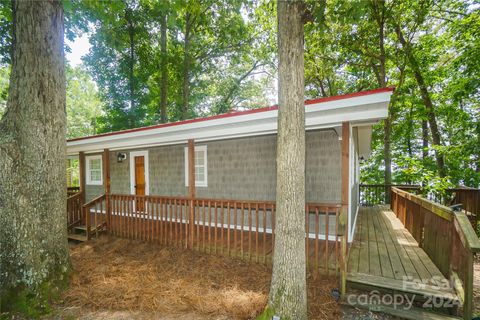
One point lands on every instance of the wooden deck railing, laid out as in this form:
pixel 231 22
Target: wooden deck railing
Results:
pixel 468 198
pixel 374 194
pixel 446 236
pixel 245 229
pixel 74 210
pixel 95 216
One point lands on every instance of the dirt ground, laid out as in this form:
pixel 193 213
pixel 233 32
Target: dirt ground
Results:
pixel 122 279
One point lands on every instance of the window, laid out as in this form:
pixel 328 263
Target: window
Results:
pixel 200 166
pixel 94 170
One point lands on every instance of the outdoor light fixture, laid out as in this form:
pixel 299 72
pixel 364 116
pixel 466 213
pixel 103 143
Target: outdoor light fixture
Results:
pixel 121 157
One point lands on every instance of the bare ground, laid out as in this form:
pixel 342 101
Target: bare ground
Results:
pixel 123 279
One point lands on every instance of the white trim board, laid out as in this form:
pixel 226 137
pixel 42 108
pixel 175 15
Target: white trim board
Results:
pixel 351 150
pixel 368 108
pixel 352 235
pixel 134 154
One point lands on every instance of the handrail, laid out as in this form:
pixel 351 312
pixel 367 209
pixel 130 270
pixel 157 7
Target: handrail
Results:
pixel 92 202
pixel 445 235
pixel 74 210
pixel 231 201
pixel 463 226
pixel 439 209
pixel 98 217
pixel 73 196
pixel 468 198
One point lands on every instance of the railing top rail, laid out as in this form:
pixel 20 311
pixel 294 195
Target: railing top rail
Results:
pixel 460 219
pixel 73 196
pixel 440 210
pixel 391 185
pixel 464 189
pixel 468 237
pixel 231 201
pixel 88 204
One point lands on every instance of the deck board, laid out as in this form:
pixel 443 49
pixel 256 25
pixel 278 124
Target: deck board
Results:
pixel 385 260
pixel 384 253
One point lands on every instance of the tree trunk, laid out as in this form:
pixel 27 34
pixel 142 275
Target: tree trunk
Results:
pixel 163 68
pixel 424 140
pixel 378 8
pixel 33 241
pixel 427 101
pixel 131 60
pixel 186 68
pixel 288 295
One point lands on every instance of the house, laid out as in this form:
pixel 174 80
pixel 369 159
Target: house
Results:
pixel 235 155
pixel 209 184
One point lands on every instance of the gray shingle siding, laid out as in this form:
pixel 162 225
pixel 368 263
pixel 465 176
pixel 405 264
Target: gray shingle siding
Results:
pixel 242 169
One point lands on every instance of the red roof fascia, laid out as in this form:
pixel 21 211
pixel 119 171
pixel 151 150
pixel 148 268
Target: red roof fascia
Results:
pixel 237 113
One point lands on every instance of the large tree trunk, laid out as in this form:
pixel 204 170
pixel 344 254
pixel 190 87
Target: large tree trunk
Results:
pixel 163 69
pixel 378 8
pixel 427 101
pixel 131 61
pixel 424 140
pixel 33 235
pixel 288 295
pixel 186 68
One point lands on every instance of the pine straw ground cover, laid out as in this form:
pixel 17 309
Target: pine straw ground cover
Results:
pixel 116 275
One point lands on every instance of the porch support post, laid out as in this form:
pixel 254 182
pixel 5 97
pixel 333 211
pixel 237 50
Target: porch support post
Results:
pixel 345 171
pixel 191 189
pixel 82 168
pixel 106 184
pixel 344 211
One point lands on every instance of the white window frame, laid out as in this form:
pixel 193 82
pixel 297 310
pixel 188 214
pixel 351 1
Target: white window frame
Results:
pixel 203 183
pixel 87 170
pixel 134 154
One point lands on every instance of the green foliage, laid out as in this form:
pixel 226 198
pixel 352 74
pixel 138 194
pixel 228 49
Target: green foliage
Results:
pixel 4 81
pixel 32 303
pixel 267 314
pixel 230 64
pixel 84 106
pixel 226 59
pixel 5 31
pixel 73 173
pixel 343 55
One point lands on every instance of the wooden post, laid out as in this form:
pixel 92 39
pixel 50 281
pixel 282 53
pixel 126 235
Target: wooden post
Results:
pixel 106 184
pixel 343 236
pixel 82 168
pixel 468 288
pixel 343 265
pixel 86 212
pixel 344 210
pixel 191 188
pixel 345 172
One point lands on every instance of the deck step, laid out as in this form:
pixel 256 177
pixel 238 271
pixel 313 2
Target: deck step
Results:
pixel 367 280
pixel 411 314
pixel 77 237
pixel 83 228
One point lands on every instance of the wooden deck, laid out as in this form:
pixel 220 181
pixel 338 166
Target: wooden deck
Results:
pixel 385 255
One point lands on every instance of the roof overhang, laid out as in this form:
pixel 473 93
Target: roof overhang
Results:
pixel 359 108
pixel 364 136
